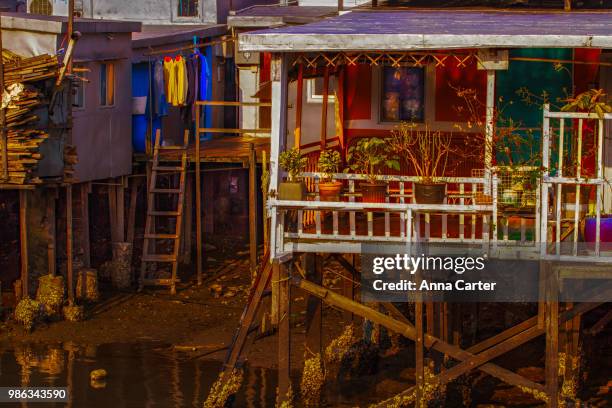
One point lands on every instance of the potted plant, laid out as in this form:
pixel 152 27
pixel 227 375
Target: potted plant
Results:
pixel 294 164
pixel 427 152
pixel 329 164
pixel 369 156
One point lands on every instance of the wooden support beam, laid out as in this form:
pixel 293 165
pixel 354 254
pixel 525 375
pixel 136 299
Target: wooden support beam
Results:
pixel 23 240
pixel 69 239
pixel 419 353
pixel 51 231
pixel 297 143
pixel 552 338
pixel 468 360
pixel 121 209
pixel 198 203
pixel 131 225
pixel 248 316
pixel 253 209
pixel 313 267
pixel 324 108
pixel 85 239
pixel 112 211
pixel 284 332
pixel 188 230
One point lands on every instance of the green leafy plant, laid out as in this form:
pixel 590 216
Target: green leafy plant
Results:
pixel 293 163
pixel 592 100
pixel 369 156
pixel 329 163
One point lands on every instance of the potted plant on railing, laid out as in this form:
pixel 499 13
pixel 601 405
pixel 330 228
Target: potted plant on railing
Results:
pixel 294 164
pixel 427 152
pixel 329 164
pixel 369 156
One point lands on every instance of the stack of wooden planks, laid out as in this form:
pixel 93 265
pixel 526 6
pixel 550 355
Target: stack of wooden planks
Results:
pixel 21 97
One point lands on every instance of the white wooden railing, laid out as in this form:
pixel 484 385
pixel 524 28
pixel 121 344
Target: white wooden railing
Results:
pixel 403 221
pixel 558 134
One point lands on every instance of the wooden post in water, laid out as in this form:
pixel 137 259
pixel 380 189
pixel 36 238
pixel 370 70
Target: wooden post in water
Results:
pixel 314 322
pixel 23 240
pixel 552 337
pixel 120 194
pixel 69 266
pixel 198 193
pixel 85 244
pixel 3 135
pixel 131 225
pixel 51 234
pixel 253 208
pixel 284 331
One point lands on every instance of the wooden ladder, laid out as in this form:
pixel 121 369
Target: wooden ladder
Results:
pixel 150 236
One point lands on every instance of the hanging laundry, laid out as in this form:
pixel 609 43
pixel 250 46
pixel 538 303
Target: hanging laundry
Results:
pixel 170 80
pixel 160 104
pixel 181 81
pixel 192 77
pixel 204 76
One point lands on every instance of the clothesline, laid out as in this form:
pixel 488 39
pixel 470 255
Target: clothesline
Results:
pixel 189 47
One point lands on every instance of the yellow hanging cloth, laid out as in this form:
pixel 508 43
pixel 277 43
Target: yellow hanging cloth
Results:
pixel 181 81
pixel 170 80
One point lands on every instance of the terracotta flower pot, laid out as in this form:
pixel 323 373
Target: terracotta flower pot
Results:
pixel 374 192
pixel 429 193
pixel 292 191
pixel 330 191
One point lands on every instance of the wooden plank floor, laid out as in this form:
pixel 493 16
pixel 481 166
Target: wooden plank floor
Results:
pixel 227 149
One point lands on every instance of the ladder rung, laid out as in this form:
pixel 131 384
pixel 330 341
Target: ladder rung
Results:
pixel 168 168
pixel 171 148
pixel 161 236
pixel 159 282
pixel 159 258
pixel 166 190
pixel 164 213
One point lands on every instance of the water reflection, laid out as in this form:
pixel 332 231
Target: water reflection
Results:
pixel 139 375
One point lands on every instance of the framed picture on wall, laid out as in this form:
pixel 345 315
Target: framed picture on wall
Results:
pixel 403 94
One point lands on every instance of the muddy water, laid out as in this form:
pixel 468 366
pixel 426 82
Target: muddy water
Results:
pixel 139 375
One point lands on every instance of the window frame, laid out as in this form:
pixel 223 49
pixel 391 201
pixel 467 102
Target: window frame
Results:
pixel 81 86
pixel 106 105
pixel 313 97
pixel 179 18
pixel 381 96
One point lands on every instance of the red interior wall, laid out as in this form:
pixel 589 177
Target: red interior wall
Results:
pixel 358 92
pixel 448 105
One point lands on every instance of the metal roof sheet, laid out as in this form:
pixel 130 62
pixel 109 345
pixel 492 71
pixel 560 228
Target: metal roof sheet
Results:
pixel 431 29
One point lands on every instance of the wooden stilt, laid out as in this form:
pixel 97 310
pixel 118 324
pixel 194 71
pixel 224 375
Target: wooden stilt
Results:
pixel 112 211
pixel 120 194
pixel 131 225
pixel 23 240
pixel 198 193
pixel 253 209
pixel 552 339
pixel 419 353
pixel 188 230
pixel 314 273
pixel 274 298
pixel 69 254
pixel 51 246
pixel 85 241
pixel 248 316
pixel 284 332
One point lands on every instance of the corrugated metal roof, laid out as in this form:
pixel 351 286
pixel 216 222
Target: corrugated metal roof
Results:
pixel 419 29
